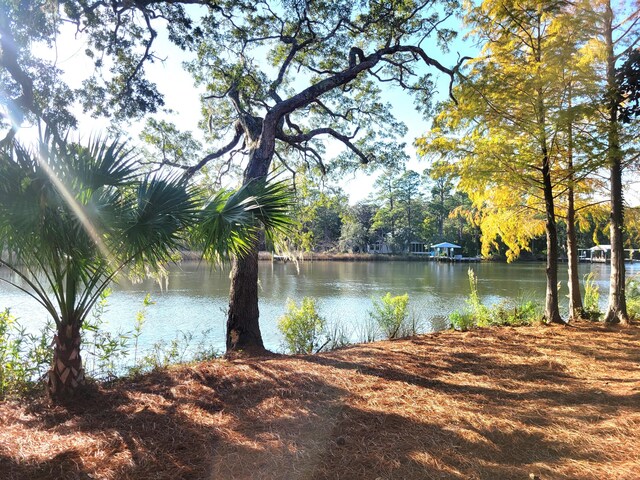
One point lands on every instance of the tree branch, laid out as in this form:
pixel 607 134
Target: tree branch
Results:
pixel 295 140
pixel 9 60
pixel 190 171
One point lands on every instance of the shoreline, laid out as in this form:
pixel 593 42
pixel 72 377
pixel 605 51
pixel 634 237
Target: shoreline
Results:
pixel 265 256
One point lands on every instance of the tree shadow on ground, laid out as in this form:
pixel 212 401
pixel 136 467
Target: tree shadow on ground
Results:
pixel 415 409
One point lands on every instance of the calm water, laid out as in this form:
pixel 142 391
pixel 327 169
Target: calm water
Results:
pixel 195 298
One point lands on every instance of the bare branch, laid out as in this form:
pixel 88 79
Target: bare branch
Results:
pixel 190 171
pixel 295 140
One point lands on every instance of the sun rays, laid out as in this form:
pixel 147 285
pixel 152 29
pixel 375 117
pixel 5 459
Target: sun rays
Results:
pixel 77 208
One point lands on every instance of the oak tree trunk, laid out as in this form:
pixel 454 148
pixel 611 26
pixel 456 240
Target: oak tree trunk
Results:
pixel 66 373
pixel 243 328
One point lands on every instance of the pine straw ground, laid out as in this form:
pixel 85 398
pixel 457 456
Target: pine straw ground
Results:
pixel 554 402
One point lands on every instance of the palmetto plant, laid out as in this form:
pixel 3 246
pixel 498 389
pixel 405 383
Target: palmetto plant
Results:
pixel 73 217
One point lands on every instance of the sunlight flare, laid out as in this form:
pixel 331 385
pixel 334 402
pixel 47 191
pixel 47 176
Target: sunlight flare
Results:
pixel 77 209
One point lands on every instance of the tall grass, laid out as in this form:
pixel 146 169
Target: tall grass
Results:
pixel 507 312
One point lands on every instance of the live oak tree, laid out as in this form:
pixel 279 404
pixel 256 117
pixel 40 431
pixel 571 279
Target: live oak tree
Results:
pixel 29 84
pixel 280 77
pixel 326 59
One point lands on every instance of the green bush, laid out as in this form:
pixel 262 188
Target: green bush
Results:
pixel 515 314
pixel 479 311
pixel 462 321
pixel 391 315
pixel 632 291
pixel 24 357
pixel 506 313
pixel 302 327
pixel 591 305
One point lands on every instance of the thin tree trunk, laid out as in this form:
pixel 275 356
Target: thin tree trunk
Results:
pixel 66 373
pixel 617 309
pixel 551 309
pixel 575 299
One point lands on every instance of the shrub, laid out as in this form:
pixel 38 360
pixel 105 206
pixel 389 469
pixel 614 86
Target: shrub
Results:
pixel 591 302
pixel 479 311
pixel 507 312
pixel 462 321
pixel 391 315
pixel 515 314
pixel 302 327
pixel 632 291
pixel 24 357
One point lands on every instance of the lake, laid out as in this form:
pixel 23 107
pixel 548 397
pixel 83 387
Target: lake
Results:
pixel 195 297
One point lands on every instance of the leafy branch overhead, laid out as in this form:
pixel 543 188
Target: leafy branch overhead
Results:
pixel 298 72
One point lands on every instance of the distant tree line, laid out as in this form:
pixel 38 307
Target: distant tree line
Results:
pixel 404 207
pixel 428 208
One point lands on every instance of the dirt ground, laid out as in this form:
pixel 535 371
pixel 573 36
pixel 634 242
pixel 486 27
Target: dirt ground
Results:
pixel 538 402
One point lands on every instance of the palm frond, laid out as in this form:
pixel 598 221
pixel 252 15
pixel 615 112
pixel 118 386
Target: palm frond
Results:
pixel 161 210
pixel 73 216
pixel 230 221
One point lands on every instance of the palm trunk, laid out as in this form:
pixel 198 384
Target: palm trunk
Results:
pixel 66 373
pixel 617 309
